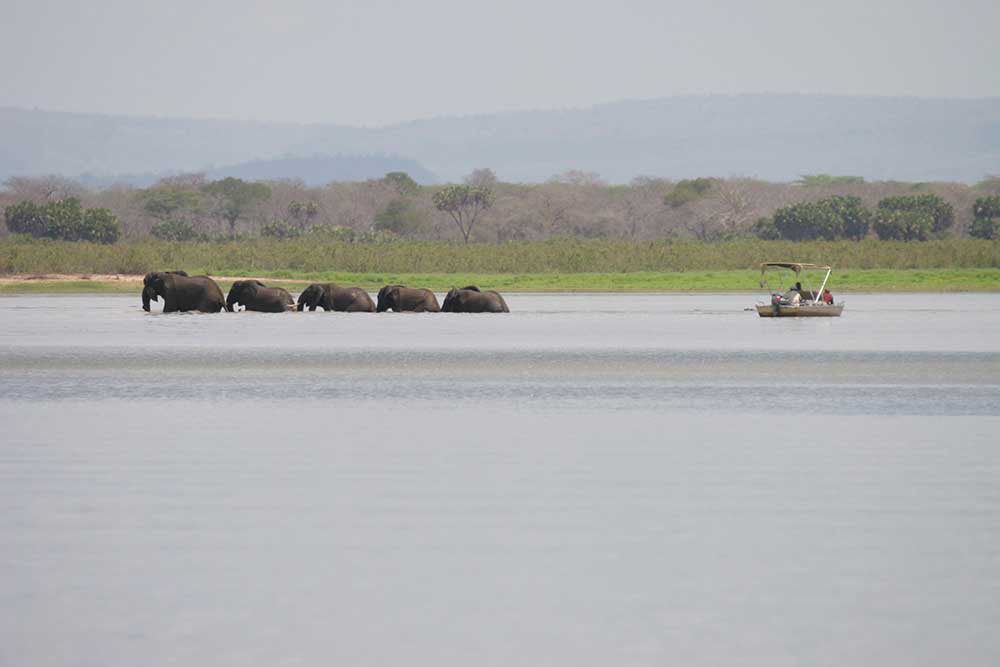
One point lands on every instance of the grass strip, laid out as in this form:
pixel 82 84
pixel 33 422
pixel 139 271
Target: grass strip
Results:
pixel 876 280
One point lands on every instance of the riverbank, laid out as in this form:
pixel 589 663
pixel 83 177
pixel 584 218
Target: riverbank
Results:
pixel 880 280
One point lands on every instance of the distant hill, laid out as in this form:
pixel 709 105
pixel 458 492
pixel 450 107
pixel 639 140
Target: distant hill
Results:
pixel 313 170
pixel 774 137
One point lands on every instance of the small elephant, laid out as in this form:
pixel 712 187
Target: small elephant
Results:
pixel 182 292
pixel 255 295
pixel 473 300
pixel 412 299
pixel 329 296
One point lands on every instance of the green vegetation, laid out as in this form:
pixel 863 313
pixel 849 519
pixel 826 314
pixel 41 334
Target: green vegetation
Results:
pixel 923 215
pixel 482 209
pixel 986 220
pixel 234 198
pixel 830 219
pixel 314 253
pixel 676 264
pixel 464 203
pixel 827 180
pixel 687 191
pixel 174 230
pixel 62 219
pixel 927 280
pixel 899 218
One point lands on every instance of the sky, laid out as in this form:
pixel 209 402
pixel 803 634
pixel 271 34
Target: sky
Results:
pixel 378 62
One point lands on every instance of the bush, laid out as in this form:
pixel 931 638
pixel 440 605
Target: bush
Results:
pixel 25 218
pixel 333 233
pixel 687 191
pixel 854 217
pixel 903 225
pixel 279 230
pixel 173 230
pixel 830 219
pixel 99 225
pixel 400 216
pixel 941 212
pixel 64 220
pixel 986 218
pixel 764 229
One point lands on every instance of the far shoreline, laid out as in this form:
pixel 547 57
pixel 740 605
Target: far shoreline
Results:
pixel 846 280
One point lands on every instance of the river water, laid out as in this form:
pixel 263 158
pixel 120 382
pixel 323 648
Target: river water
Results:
pixel 590 480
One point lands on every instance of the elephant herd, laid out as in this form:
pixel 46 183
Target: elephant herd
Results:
pixel 182 292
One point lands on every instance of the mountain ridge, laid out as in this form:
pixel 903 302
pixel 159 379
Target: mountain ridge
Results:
pixel 769 136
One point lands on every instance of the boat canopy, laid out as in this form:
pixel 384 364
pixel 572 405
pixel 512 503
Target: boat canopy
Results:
pixel 797 267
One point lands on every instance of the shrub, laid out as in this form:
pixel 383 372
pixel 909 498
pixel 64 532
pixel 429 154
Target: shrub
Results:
pixel 942 213
pixel 903 225
pixel 279 230
pixel 764 229
pixel 687 191
pixel 173 230
pixel 986 218
pixel 64 220
pixel 99 225
pixel 854 217
pixel 333 233
pixel 807 221
pixel 831 218
pixel 400 216
pixel 25 218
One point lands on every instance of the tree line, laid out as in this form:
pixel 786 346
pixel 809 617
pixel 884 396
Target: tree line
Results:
pixel 190 207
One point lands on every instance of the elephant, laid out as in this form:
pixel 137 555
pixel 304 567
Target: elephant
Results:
pixel 255 295
pixel 400 298
pixel 471 299
pixel 329 296
pixel 182 292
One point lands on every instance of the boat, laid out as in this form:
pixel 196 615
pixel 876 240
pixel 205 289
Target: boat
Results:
pixel 798 301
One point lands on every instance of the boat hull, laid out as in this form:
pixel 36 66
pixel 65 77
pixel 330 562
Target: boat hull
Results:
pixel 802 310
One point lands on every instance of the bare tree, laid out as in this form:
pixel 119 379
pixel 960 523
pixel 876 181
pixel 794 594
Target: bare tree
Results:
pixel 41 189
pixel 482 178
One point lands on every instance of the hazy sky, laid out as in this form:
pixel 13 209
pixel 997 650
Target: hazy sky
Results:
pixel 376 61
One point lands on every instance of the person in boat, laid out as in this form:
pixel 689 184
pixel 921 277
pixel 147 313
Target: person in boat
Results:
pixel 791 298
pixel 827 297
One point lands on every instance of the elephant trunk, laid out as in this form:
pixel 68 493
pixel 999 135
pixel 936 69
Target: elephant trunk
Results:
pixel 230 301
pixel 303 302
pixel 147 294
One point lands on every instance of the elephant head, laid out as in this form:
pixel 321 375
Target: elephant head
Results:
pixel 388 298
pixel 449 300
pixel 154 285
pixel 454 299
pixel 242 291
pixel 312 297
